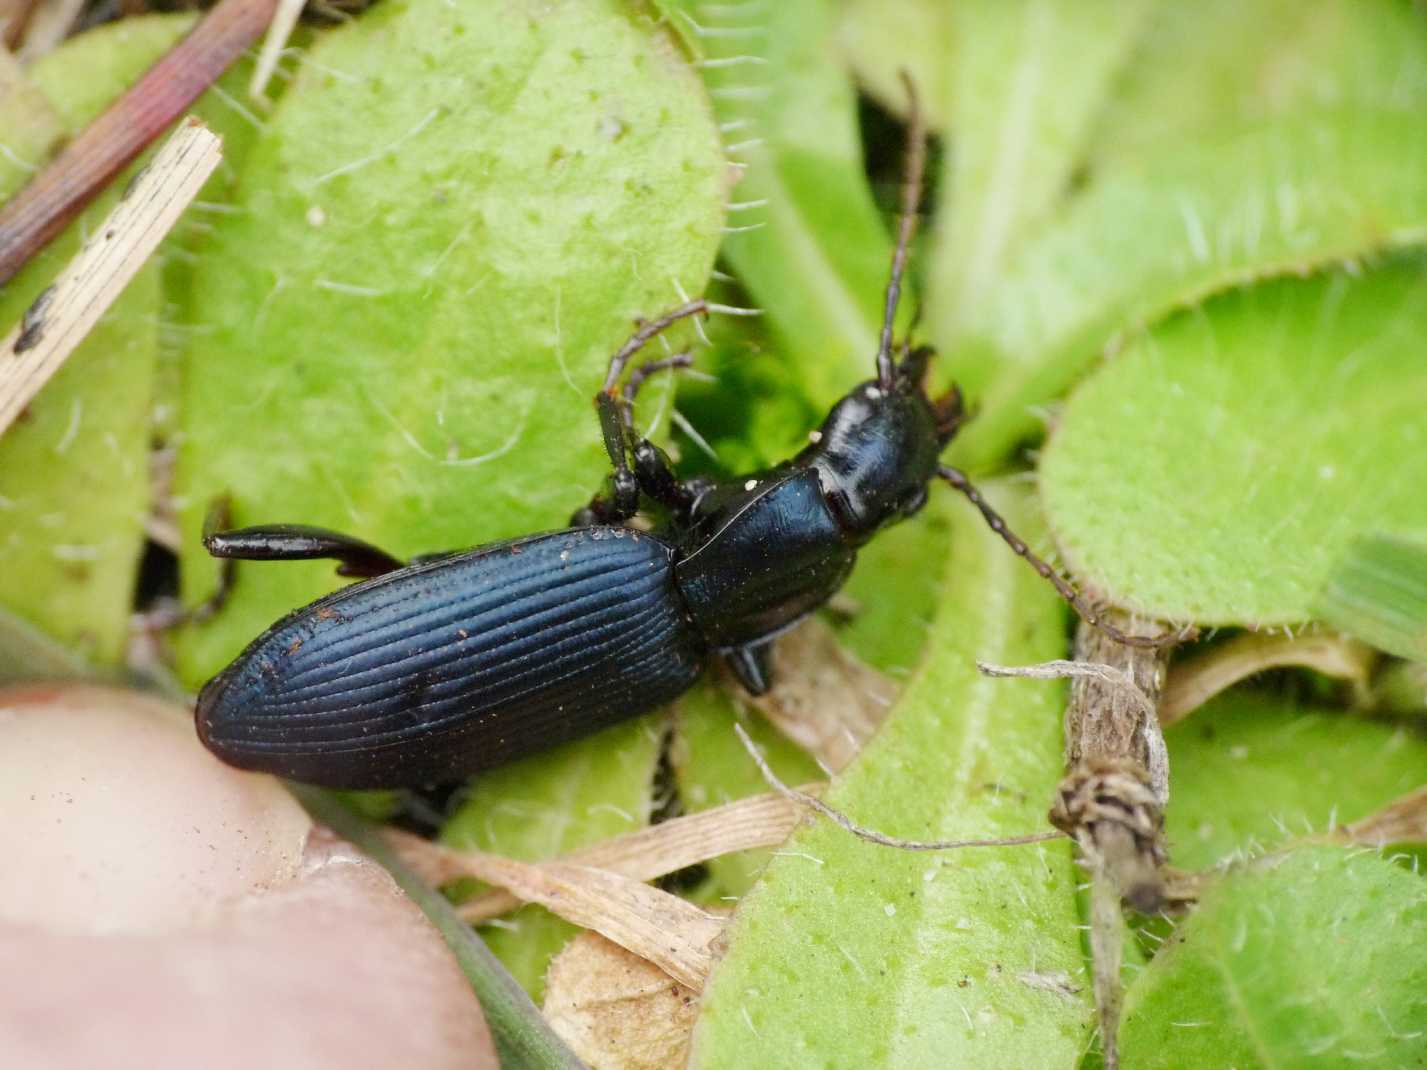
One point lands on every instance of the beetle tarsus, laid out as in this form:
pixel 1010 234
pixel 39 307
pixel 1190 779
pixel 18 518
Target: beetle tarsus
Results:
pixel 753 667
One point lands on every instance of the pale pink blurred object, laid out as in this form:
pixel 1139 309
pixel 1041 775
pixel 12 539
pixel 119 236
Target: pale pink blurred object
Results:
pixel 158 909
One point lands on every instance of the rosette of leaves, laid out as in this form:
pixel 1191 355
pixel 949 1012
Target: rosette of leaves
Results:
pixel 1178 246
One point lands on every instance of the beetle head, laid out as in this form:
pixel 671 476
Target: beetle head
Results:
pixel 877 450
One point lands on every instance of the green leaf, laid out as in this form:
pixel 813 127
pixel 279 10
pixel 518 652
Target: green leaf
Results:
pixel 74 485
pixel 881 40
pixel 711 768
pixel 1218 65
pixel 1251 771
pixel 86 73
pixel 1378 592
pixel 1401 688
pixel 1315 961
pixel 1246 190
pixel 233 115
pixel 851 954
pixel 817 254
pixel 1218 470
pixel 892 603
pixel 453 218
pixel 1028 78
pixel 550 805
pixel 32 125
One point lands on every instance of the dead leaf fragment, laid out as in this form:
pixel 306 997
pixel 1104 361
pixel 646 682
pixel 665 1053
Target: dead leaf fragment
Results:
pixel 649 853
pixel 825 700
pixel 1193 682
pixel 617 1011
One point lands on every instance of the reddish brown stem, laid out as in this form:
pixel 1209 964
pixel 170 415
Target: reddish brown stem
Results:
pixel 38 213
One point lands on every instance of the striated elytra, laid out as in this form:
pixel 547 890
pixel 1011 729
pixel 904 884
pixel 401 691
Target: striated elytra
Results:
pixel 430 672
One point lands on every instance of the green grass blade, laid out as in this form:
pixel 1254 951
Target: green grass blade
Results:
pixel 1378 592
pixel 814 249
pixel 1027 79
pixel 522 1038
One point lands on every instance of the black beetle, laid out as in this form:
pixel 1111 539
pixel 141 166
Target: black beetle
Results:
pixel 455 663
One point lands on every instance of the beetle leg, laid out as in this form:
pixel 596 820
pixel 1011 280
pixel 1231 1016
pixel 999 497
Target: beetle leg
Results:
pixel 641 374
pixel 646 330
pixel 169 613
pixel 621 498
pixel 652 467
pixel 655 473
pixel 753 666
pixel 298 542
pixel 219 515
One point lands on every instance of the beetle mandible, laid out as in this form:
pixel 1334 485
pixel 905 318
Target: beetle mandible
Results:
pixel 427 672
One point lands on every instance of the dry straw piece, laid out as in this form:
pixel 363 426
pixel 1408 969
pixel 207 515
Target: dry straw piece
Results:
pixel 64 314
pixel 1196 680
pixel 673 934
pixel 649 853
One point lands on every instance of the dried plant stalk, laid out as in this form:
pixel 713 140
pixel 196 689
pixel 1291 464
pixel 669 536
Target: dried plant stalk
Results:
pixel 45 24
pixel 14 21
pixel 284 20
pixel 1196 680
pixel 649 853
pixel 60 192
pixel 673 934
pixel 60 317
pixel 1112 798
pixel 1404 820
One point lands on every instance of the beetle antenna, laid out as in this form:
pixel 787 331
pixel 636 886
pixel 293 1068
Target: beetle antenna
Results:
pixel 862 832
pixel 906 224
pixel 645 331
pixel 957 478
